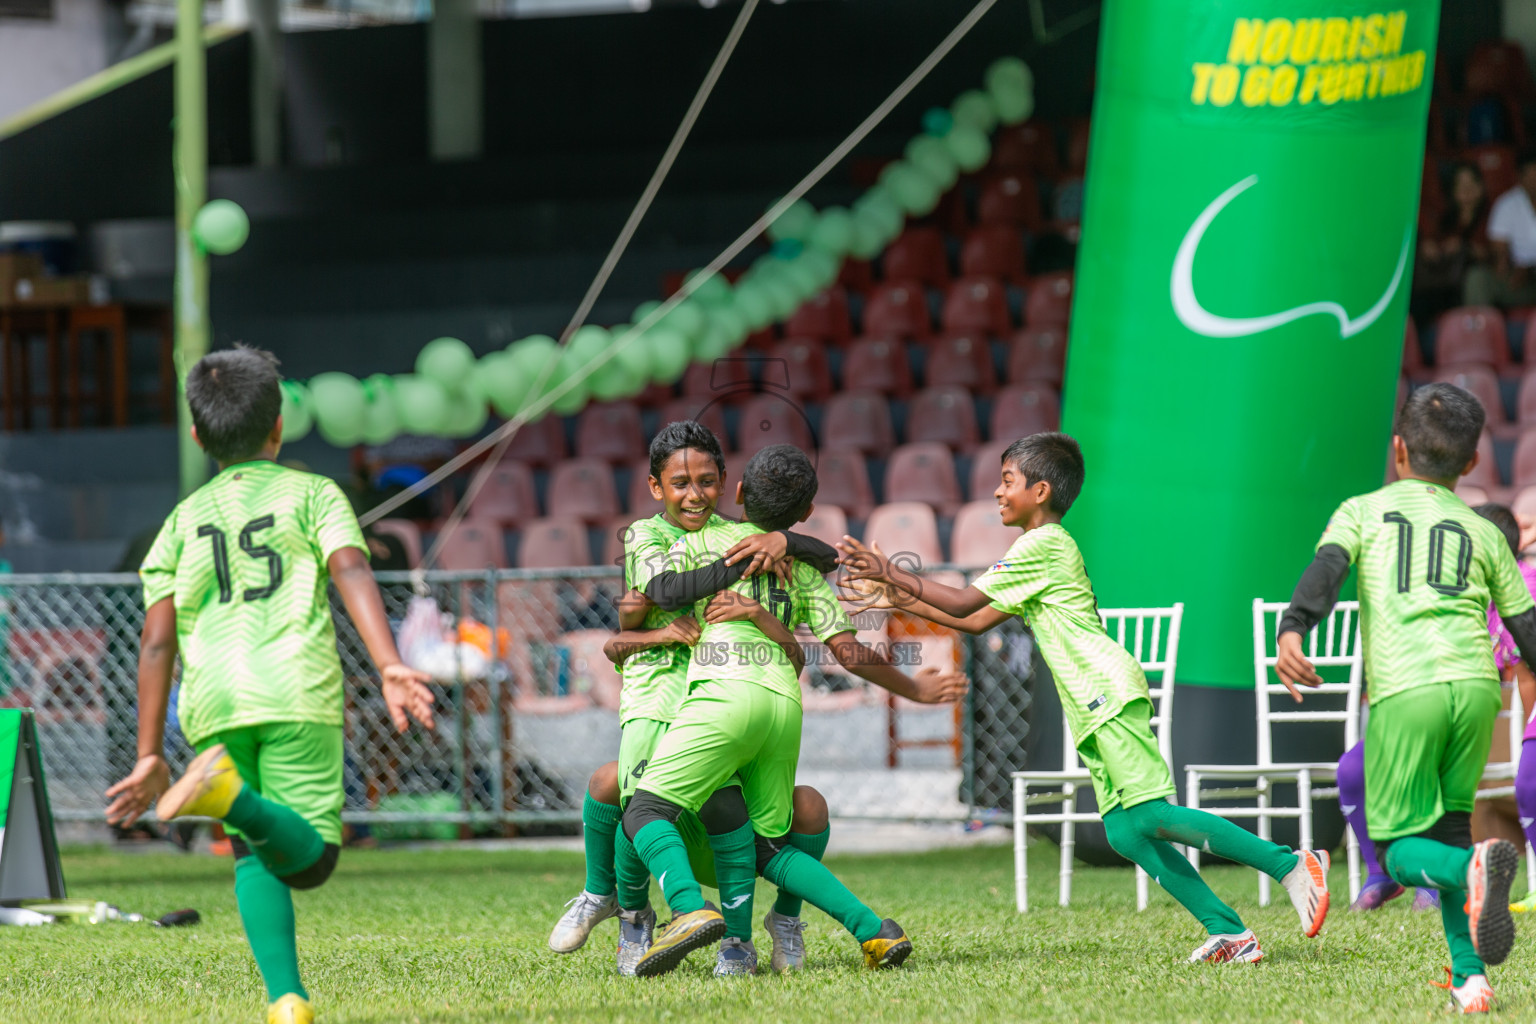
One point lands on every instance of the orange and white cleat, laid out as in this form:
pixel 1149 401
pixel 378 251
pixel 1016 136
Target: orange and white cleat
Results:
pixel 1488 879
pixel 1474 995
pixel 1308 887
pixel 1229 949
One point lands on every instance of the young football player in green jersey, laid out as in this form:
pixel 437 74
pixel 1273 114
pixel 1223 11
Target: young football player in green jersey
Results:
pixel 1427 567
pixel 741 721
pixel 236 584
pixel 688 477
pixel 1104 695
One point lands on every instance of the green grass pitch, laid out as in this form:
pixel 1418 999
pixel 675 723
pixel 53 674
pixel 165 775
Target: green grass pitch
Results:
pixel 459 935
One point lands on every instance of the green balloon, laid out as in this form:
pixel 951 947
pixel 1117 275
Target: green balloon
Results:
pixel 970 147
pixel 670 353
pixel 936 120
pixel 221 227
pixel 297 418
pixel 578 352
pixel 881 208
pixel 1014 105
pixel 822 266
pixel 422 404
pixel 1009 72
pixel 804 278
pixel 715 343
pixel 833 232
pixel 914 191
pixel 466 414
pixel 381 416
pixel 339 405
pixel 644 310
pixel 572 402
pixel 933 158
pixel 635 356
pixel 687 318
pixel 973 107
pixel 713 290
pixel 783 298
pixel 868 238
pixel 752 303
pixel 446 360
pixel 795 222
pixel 500 381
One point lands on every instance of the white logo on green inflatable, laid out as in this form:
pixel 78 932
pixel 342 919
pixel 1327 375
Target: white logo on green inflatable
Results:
pixel 1200 320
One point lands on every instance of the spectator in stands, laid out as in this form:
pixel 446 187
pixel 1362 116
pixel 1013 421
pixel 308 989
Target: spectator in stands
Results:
pixel 1453 246
pixel 1510 281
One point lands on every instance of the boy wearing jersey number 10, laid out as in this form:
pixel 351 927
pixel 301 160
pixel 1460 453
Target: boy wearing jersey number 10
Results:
pixel 1104 695
pixel 236 583
pixel 1427 567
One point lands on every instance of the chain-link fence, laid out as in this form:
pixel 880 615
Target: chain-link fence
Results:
pixel 528 706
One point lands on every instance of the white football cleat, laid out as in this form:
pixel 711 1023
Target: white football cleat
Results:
pixel 788 937
pixel 1229 949
pixel 583 913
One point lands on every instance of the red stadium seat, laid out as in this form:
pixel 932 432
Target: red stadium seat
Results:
pixel 734 465
pixel 843 480
pixel 1029 148
pixel 923 472
pixel 945 415
pixel 976 304
pixel 906 527
pixel 1476 496
pixel 897 309
pixel 729 377
pixel 700 408
pixel 553 544
pixel 961 360
pixel 1402 393
pixel 1077 145
pixel 827 523
pixel 1413 353
pixel 508 496
pixel 1525 405
pixel 772 419
pixel 610 431
pixel 1525 460
pixel 994 250
pixel 917 254
pixel 878 364
pixel 640 501
pixel 805 361
pixel 1499 166
pixel 472 546
pixel 860 420
pixel 583 489
pixel 1010 198
pixel 1486 473
pixel 1472 334
pixel 1020 411
pixel 541 443
pixel 1038 355
pixel 980 539
pixel 1483 383
pixel 824 316
pixel 1498 67
pixel 1523 503
pixel 407 533
pixel 1048 302
pixel 614 534
pixel 986 469
pixel 857 276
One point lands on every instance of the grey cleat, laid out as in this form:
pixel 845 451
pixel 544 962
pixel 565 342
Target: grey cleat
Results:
pixel 735 957
pixel 636 928
pixel 583 913
pixel 788 935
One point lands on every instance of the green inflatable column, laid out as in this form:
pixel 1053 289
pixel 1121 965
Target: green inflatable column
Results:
pixel 1247 252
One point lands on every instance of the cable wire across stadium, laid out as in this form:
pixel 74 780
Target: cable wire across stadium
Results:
pixel 503 435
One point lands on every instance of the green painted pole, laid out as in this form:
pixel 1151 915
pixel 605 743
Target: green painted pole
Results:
pixel 191 172
pixel 1252 191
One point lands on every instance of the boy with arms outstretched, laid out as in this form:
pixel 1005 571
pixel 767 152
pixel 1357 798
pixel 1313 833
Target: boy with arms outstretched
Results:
pixel 1428 567
pixel 688 477
pixel 741 720
pixel 236 583
pixel 1104 696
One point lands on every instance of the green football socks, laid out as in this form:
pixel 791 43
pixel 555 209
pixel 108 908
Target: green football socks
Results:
pixel 599 822
pixel 634 880
pixel 266 910
pixel 277 834
pixel 660 845
pixel 1425 862
pixel 804 876
pixel 1159 819
pixel 1132 839
pixel 736 877
pixel 815 845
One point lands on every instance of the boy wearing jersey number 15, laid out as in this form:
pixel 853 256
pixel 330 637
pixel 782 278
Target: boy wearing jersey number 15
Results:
pixel 236 583
pixel 1428 567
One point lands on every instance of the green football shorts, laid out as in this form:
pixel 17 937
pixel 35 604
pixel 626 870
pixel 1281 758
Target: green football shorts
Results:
pixel 1425 751
pixel 296 764
pixel 637 744
pixel 1123 760
pixel 729 728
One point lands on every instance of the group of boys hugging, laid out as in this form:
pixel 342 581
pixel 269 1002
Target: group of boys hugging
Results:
pixel 703 791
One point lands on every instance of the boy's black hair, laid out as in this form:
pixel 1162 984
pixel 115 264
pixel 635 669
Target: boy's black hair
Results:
pixel 1505 520
pixel 236 396
pixel 778 486
pixel 1440 424
pixel 1053 457
pixel 680 434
